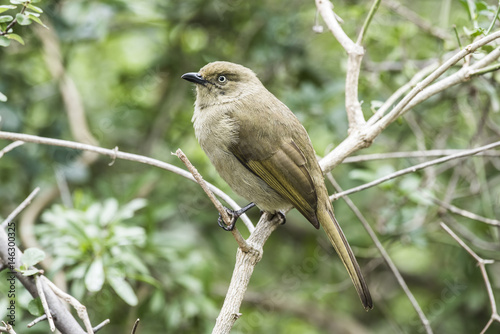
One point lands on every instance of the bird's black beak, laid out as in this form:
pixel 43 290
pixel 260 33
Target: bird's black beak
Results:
pixel 194 77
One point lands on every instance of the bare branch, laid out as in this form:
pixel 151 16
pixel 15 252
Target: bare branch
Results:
pixel 481 262
pixel 119 155
pixel 385 255
pixel 81 310
pixel 415 168
pixel 414 154
pixel 20 208
pixel 465 213
pixel 136 324
pixel 7 328
pixel 45 305
pixel 243 269
pixel 100 326
pixel 355 54
pixel 10 147
pixel 199 179
pixel 416 19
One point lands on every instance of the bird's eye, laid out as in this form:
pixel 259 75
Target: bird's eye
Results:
pixel 222 79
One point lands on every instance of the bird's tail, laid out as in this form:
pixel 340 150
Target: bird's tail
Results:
pixel 339 242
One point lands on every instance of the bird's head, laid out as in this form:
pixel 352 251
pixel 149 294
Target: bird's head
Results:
pixel 221 82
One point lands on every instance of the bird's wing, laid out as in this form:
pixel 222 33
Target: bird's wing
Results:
pixel 284 170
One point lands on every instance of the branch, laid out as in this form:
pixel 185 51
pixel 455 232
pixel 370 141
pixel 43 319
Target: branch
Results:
pixel 63 319
pixel 10 147
pixel 243 269
pixel 355 54
pixel 465 213
pixel 385 255
pixel 413 17
pixel 364 136
pixel 482 265
pixel 413 169
pixel 115 154
pixel 413 154
pixel 199 179
pixel 20 208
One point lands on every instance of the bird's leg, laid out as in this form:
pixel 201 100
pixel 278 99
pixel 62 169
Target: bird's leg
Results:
pixel 234 216
pixel 280 214
pixel 282 217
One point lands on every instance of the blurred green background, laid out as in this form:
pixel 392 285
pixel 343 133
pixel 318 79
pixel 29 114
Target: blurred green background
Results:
pixel 133 241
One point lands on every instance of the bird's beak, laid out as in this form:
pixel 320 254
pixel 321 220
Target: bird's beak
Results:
pixel 194 77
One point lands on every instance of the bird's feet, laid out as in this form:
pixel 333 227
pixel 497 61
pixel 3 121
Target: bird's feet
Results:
pixel 234 215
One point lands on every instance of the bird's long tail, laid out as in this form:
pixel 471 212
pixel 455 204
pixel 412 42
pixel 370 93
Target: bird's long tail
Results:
pixel 339 242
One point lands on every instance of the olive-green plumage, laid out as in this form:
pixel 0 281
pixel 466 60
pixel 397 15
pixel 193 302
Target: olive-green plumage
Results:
pixel 262 151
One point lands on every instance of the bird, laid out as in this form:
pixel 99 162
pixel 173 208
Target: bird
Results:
pixel 262 151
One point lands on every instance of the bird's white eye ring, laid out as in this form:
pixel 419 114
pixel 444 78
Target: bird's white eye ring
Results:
pixel 222 79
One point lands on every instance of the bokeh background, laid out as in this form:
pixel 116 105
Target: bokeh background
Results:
pixel 133 241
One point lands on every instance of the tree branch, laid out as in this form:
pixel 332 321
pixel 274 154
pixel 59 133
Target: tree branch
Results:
pixel 385 255
pixel 413 169
pixel 203 184
pixel 482 265
pixel 243 269
pixel 115 154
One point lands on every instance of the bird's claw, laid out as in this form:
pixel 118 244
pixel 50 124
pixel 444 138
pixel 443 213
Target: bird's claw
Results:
pixel 233 220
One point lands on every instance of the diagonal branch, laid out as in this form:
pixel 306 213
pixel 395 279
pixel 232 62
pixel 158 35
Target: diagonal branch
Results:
pixel 245 247
pixel 482 265
pixel 115 154
pixel 385 255
pixel 466 213
pixel 415 168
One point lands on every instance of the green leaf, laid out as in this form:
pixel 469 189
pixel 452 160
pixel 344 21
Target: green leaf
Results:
pixel 15 37
pixel 94 279
pixel 35 307
pixel 31 14
pixel 32 256
pixel 7 7
pixel 30 272
pixel 6 18
pixel 37 20
pixel 19 2
pixel 3 98
pixel 23 19
pixel 35 8
pixel 4 41
pixel 122 288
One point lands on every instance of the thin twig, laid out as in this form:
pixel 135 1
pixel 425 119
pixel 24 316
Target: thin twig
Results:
pixel 237 235
pixel 37 320
pixel 355 54
pixel 369 17
pixel 20 207
pixel 81 310
pixel 136 324
pixel 492 24
pixel 416 19
pixel 7 328
pixel 385 255
pixel 45 305
pixel 121 155
pixel 101 325
pixel 415 168
pixel 482 265
pixel 10 147
pixel 414 154
pixel 465 213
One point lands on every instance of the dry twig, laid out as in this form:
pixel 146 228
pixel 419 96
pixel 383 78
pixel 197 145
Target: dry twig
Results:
pixel 245 247
pixel 413 169
pixel 385 255
pixel 482 266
